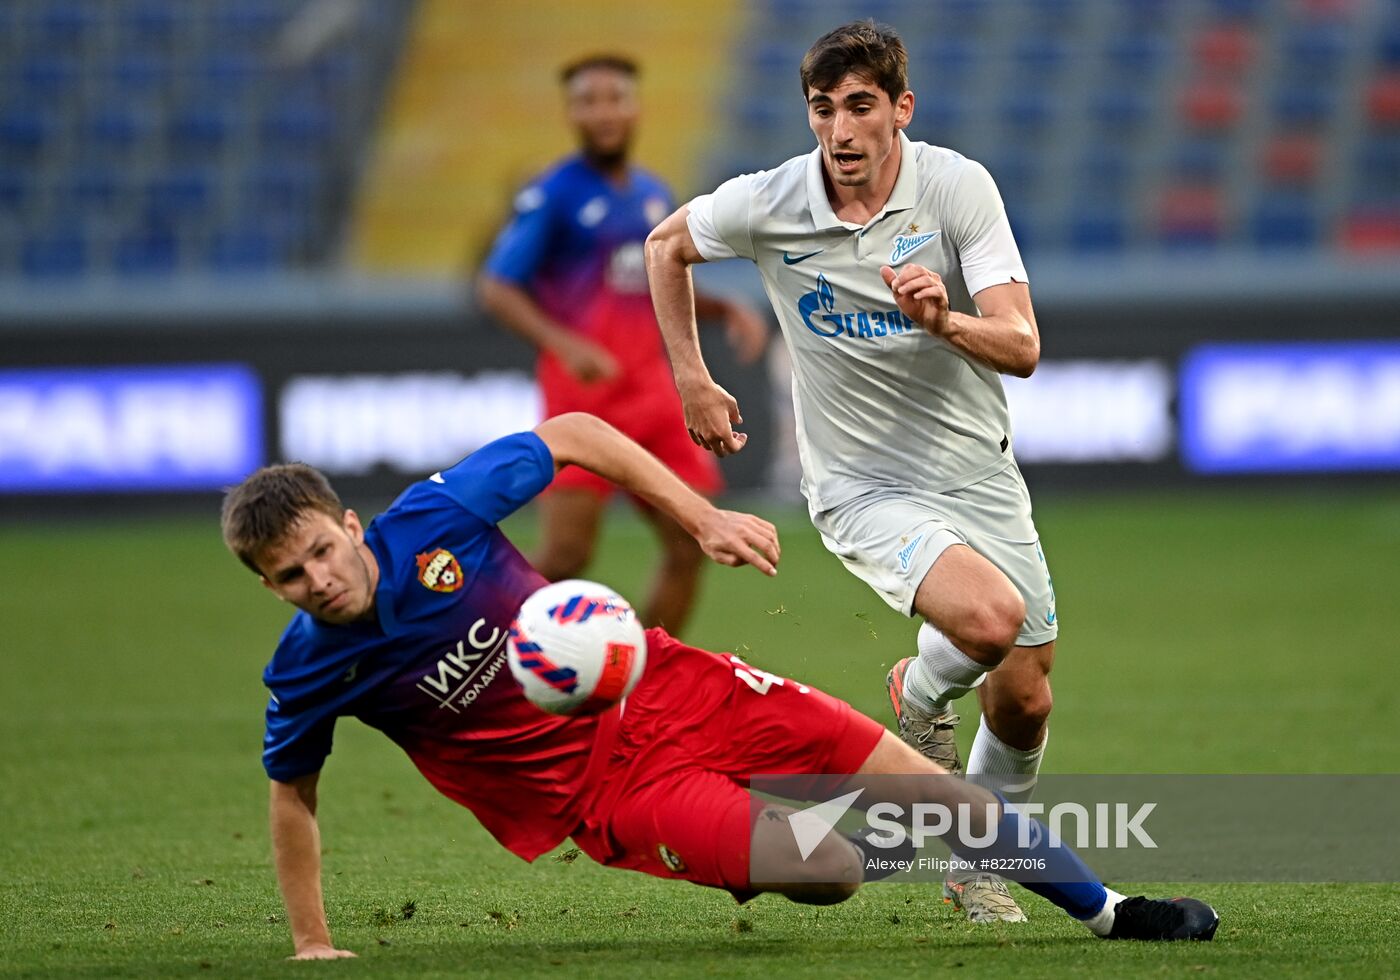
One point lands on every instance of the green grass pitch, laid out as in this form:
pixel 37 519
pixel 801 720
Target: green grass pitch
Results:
pixel 1202 632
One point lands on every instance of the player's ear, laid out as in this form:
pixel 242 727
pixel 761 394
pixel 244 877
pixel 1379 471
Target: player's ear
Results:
pixel 271 588
pixel 353 527
pixel 904 110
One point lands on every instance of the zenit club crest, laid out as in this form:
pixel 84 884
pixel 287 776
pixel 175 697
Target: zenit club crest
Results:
pixel 439 571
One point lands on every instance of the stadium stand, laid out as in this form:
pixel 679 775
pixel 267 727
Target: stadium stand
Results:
pixel 1133 126
pixel 143 138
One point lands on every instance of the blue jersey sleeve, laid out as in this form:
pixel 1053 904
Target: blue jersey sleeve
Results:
pixel 521 246
pixel 500 477
pixel 296 744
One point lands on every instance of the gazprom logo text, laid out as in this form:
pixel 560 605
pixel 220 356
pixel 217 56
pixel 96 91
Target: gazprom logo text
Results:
pixel 819 313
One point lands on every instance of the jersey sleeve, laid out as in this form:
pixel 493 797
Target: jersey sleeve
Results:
pixel 720 222
pixel 520 248
pixel 978 226
pixel 295 744
pixel 500 477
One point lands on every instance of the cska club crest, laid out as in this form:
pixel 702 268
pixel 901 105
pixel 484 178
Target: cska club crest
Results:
pixel 439 571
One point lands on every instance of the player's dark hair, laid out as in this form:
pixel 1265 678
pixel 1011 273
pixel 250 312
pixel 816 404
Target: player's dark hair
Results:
pixel 612 62
pixel 262 509
pixel 864 48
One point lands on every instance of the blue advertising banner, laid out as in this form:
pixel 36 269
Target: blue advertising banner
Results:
pixel 1291 408
pixel 151 428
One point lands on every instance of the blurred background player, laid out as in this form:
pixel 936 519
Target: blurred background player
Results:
pixel 567 274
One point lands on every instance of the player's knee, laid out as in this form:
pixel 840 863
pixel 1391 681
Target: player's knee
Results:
pixel 994 626
pixel 1024 710
pixel 821 893
pixel 832 873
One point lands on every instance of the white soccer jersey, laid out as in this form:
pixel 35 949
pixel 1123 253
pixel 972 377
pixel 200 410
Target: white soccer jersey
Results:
pixel 879 402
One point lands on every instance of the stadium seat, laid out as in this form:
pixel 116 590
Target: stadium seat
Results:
pixel 281 185
pixel 1304 104
pixel 251 22
pixel 1224 48
pixel 1200 160
pixel 198 129
pixel 1120 108
pixel 1371 229
pixel 91 187
pixel 1314 50
pixel 1378 166
pixel 142 72
pixel 115 128
pixel 23 131
pixel 1104 167
pixel 1237 9
pixel 15 189
pixel 1389 45
pixel 297 124
pixel 944 57
pixel 1189 217
pixel 1212 105
pixel 243 250
pixel 228 73
pixel 1383 100
pixel 1038 57
pixel 61 253
pixel 64 25
pixel 1292 159
pixel 1028 109
pixel 49 78
pixel 146 251
pixel 150 23
pixel 1285 221
pixel 1098 226
pixel 179 193
pixel 1137 54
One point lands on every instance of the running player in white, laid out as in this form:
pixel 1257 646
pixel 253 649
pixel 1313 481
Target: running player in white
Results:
pixel 902 298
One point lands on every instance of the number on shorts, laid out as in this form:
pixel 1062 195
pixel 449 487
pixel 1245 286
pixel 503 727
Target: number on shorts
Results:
pixel 760 680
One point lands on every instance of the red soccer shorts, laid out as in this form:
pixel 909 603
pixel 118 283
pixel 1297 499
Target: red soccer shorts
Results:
pixel 673 800
pixel 643 405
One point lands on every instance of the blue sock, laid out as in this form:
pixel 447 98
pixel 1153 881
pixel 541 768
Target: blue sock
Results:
pixel 1064 879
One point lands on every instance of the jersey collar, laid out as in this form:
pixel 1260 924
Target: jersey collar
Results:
pixel 902 197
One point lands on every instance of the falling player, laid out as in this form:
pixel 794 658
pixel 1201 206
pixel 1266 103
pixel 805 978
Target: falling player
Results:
pixel 403 625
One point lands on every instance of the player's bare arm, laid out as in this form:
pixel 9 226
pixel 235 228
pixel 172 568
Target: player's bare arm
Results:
pixel 515 308
pixel 1005 336
pixel 710 412
pixel 296 848
pixel 729 537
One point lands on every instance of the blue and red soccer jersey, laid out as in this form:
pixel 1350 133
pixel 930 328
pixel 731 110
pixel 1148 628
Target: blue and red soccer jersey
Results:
pixel 430 671
pixel 576 244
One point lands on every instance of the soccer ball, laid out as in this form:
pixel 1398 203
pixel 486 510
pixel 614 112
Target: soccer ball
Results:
pixel 577 648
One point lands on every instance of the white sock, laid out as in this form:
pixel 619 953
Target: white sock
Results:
pixel 942 673
pixel 1102 923
pixel 993 757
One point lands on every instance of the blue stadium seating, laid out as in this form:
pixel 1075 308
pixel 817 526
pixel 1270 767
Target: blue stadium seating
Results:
pixel 146 251
pixel 58 253
pixel 1284 221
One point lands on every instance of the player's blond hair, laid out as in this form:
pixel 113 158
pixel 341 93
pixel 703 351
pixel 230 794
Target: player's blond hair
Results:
pixel 864 48
pixel 262 509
